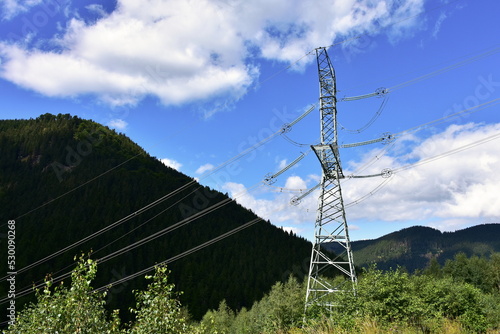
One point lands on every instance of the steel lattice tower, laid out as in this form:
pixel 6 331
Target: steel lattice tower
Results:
pixel 331 224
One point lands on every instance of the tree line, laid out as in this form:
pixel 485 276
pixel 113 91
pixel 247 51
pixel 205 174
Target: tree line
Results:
pixel 439 299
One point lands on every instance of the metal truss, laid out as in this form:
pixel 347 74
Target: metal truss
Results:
pixel 331 224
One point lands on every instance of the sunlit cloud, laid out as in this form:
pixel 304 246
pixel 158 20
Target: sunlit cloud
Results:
pixel 204 168
pixel 171 163
pixel 185 52
pixel 448 193
pixel 118 124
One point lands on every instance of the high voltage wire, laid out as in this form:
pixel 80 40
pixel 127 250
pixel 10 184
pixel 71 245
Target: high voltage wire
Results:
pixel 28 291
pixel 490 52
pixel 414 165
pixel 470 110
pixel 447 153
pixel 426 161
pixel 215 207
pixel 143 209
pixel 394 137
pixel 158 201
pixel 192 250
pixel 147 207
pixel 145 240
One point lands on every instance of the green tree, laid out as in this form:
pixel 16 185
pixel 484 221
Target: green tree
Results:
pixel 219 321
pixel 434 269
pixel 158 310
pixel 284 306
pixel 73 310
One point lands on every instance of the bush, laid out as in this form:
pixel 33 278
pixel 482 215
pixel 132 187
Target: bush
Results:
pixel 74 310
pixel 158 310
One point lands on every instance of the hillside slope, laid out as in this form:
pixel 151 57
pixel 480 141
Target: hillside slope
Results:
pixel 413 247
pixel 63 178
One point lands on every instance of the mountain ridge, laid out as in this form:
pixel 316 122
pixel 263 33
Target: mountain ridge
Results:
pixel 63 178
pixel 415 246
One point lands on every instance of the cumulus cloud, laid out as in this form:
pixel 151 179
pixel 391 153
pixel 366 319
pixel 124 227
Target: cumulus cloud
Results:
pixel 204 168
pixel 118 124
pixel 171 163
pixel 185 51
pixel 278 209
pixel 451 192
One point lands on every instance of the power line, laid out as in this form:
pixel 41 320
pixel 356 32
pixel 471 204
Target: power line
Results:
pixel 145 208
pixel 192 250
pixel 487 53
pixel 28 291
pixel 149 238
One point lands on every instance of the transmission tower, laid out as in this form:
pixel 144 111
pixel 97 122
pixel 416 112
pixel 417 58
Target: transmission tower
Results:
pixel 331 224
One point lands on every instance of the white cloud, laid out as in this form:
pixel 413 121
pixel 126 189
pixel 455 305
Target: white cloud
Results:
pixel 204 168
pixel 449 193
pixel 12 8
pixel 118 124
pixel 460 187
pixel 183 51
pixel 171 163
pixel 278 209
pixel 292 229
pixel 282 164
pixel 98 9
pixel 437 25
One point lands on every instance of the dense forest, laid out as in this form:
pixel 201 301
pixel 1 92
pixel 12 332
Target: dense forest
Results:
pixel 63 178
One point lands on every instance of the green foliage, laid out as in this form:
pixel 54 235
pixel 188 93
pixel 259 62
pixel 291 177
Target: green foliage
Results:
pixel 80 310
pixel 385 301
pixel 422 302
pixel 73 310
pixel 478 271
pixel 158 309
pixel 219 321
pixel 283 307
pixel 278 311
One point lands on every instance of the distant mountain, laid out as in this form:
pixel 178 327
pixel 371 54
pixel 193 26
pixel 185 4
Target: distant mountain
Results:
pixel 413 247
pixel 63 178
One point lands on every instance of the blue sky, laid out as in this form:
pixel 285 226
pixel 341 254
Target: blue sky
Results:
pixel 196 83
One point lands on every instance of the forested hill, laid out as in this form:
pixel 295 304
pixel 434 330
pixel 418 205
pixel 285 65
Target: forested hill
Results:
pixel 413 247
pixel 63 178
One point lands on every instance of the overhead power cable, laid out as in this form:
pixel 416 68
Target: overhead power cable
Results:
pixel 186 253
pixel 288 126
pixel 103 230
pixel 151 237
pixel 446 69
pixel 447 153
pixel 28 291
pixel 371 193
pixel 261 82
pixel 470 110
pixel 371 121
pixel 297 199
